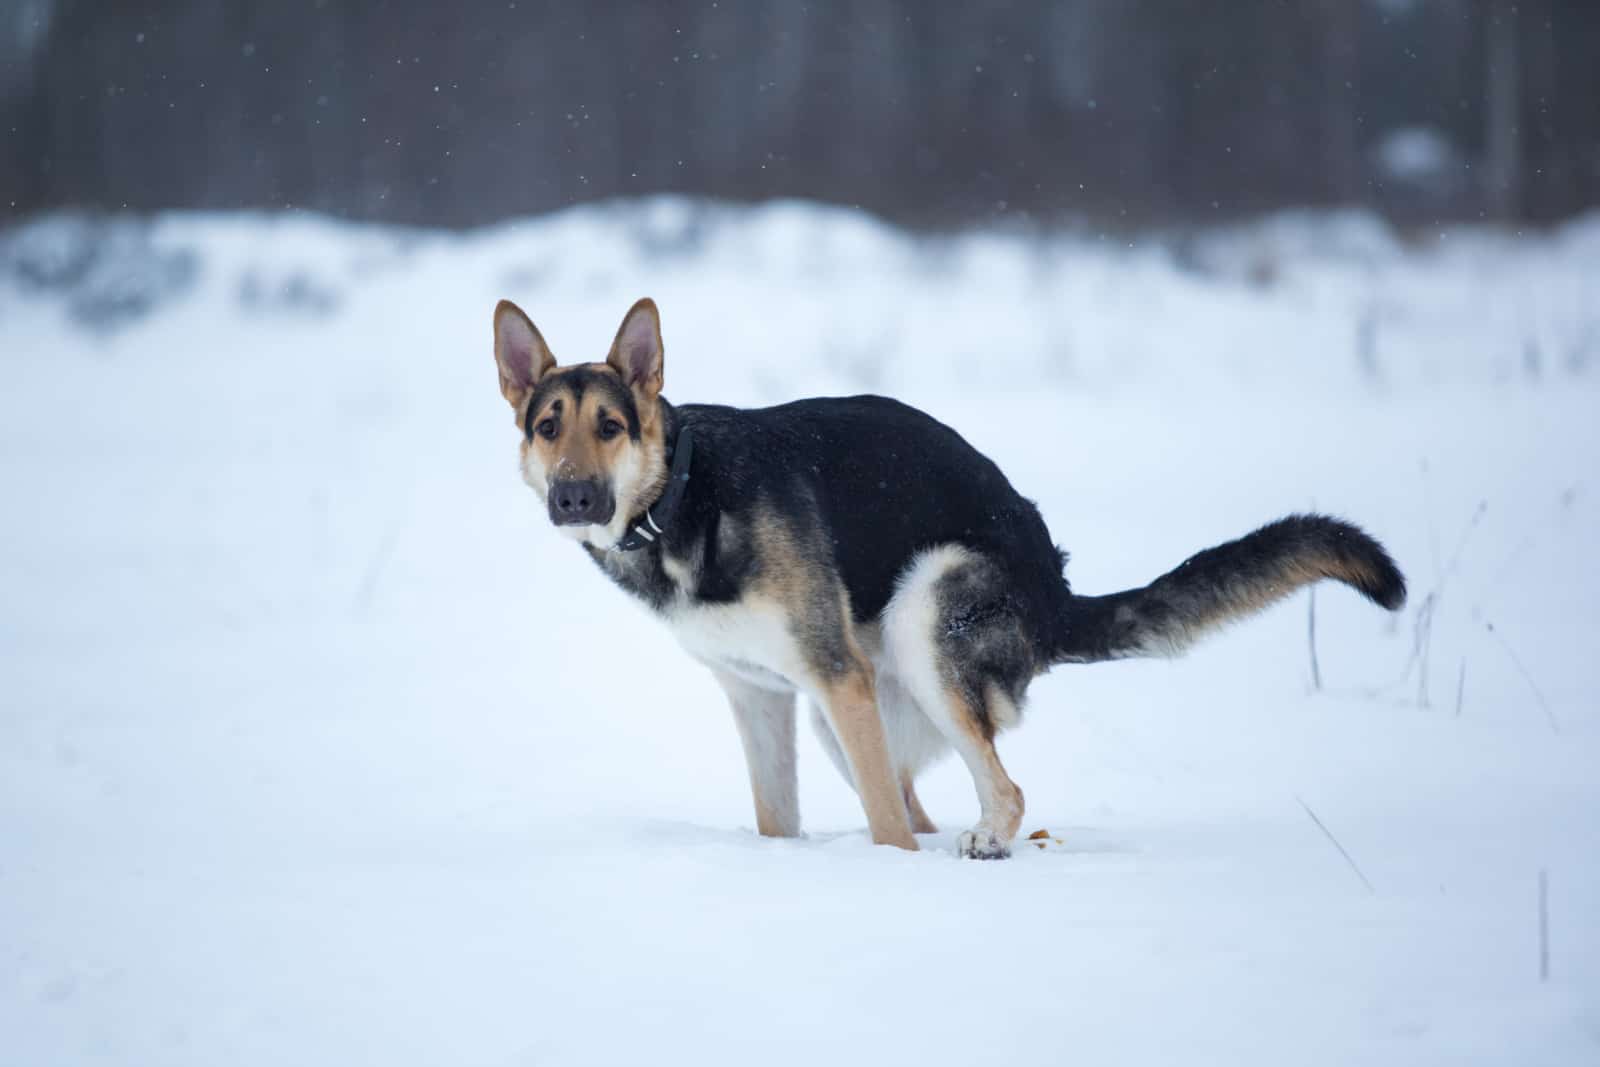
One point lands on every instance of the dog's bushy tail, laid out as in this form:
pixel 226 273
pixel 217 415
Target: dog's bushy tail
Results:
pixel 1225 583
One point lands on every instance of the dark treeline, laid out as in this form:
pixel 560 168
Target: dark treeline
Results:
pixel 929 112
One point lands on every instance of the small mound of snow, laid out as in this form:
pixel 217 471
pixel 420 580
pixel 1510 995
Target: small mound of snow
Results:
pixel 109 270
pixel 1417 155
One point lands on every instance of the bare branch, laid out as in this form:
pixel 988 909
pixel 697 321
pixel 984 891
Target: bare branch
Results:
pixel 1335 842
pixel 1538 694
pixel 1544 925
pixel 1311 640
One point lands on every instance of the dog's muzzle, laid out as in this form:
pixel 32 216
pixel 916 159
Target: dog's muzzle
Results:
pixel 581 502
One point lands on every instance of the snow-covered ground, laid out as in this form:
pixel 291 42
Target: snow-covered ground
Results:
pixel 297 764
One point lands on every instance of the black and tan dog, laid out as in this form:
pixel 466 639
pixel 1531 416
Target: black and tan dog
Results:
pixel 860 552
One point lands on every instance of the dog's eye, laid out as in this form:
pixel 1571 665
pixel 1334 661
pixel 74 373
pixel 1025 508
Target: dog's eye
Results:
pixel 546 429
pixel 609 429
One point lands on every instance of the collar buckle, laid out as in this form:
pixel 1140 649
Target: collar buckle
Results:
pixel 638 535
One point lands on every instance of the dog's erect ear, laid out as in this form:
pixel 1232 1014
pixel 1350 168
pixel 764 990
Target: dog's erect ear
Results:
pixel 519 352
pixel 636 353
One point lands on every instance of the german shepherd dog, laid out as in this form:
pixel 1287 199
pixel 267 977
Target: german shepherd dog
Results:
pixel 860 552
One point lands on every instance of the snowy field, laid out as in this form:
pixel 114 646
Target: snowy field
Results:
pixel 296 767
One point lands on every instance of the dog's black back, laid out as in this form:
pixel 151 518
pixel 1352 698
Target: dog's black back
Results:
pixel 875 482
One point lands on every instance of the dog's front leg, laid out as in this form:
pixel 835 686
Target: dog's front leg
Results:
pixel 766 730
pixel 852 708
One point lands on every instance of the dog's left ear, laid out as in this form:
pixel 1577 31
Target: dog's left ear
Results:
pixel 519 352
pixel 636 353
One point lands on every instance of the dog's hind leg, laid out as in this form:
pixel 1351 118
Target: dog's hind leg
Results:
pixel 766 730
pixel 999 798
pixel 965 658
pixel 920 823
pixel 830 742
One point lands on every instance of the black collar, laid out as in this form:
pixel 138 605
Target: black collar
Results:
pixel 658 516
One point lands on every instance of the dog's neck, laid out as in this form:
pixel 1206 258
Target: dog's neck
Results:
pixel 647 527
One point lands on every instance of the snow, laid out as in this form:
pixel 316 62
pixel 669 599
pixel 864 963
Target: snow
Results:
pixel 318 746
pixel 1420 154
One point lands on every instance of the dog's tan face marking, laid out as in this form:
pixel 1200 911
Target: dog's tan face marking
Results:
pixel 574 432
pixel 594 425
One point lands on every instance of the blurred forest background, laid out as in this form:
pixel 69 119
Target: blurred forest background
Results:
pixel 933 114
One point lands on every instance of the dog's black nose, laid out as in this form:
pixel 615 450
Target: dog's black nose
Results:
pixel 579 501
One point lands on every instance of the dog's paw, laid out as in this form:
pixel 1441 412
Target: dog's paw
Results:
pixel 981 844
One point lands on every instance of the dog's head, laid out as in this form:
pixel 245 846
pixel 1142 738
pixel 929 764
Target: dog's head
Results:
pixel 593 434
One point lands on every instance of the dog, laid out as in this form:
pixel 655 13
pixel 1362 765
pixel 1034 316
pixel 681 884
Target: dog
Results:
pixel 859 552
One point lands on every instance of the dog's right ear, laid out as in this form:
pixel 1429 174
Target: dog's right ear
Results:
pixel 520 353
